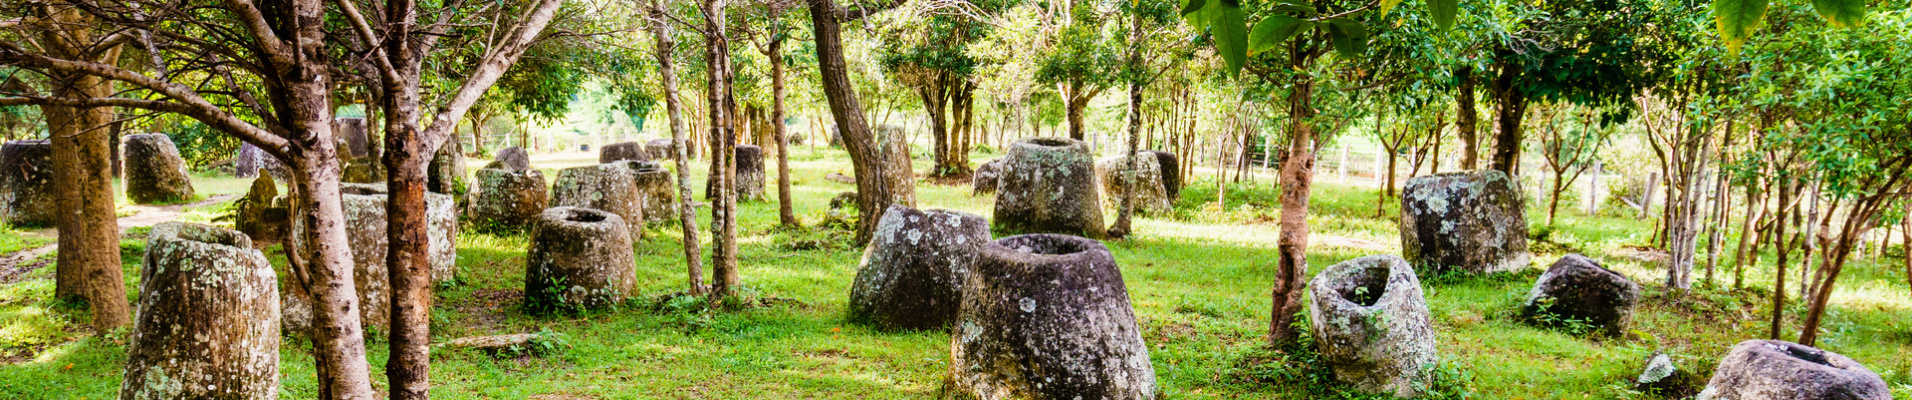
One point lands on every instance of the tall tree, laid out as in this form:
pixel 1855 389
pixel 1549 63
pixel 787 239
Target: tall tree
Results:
pixel 872 183
pixel 665 45
pixel 721 103
pixel 1081 63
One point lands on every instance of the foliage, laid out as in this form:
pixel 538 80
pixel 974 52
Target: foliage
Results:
pixel 201 145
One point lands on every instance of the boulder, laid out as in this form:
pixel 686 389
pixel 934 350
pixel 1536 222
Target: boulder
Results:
pixel 513 158
pixel 580 258
pixel 1781 370
pixel 507 199
pixel 1471 221
pixel 912 273
pixel 26 184
pixel 1047 316
pixel 660 149
pixel 750 173
pixel 1371 325
pixel 656 191
pixel 208 319
pixel 1048 185
pixel 246 162
pixel 1661 377
pixel 1151 196
pixel 446 174
pixel 893 146
pixel 1578 289
pixel 1171 173
pixel 154 171
pixel 622 151
pixel 604 187
pixel 357 141
pixel 987 176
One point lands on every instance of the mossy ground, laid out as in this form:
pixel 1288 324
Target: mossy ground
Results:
pixel 1199 280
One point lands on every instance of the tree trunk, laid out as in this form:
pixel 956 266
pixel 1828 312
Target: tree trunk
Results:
pixel 680 148
pixel 1297 174
pixel 1511 106
pixel 785 214
pixel 1078 104
pixel 1779 262
pixel 338 343
pixel 1127 209
pixel 1754 212
pixel 873 195
pixel 723 130
pixel 88 261
pixel 1465 122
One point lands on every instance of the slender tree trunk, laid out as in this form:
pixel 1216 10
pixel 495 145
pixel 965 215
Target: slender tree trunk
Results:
pixel 1465 121
pixel 873 193
pixel 724 140
pixel 1078 103
pixel 1291 271
pixel 785 214
pixel 1779 263
pixel 1511 106
pixel 88 261
pixel 1126 211
pixel 1741 258
pixel 680 147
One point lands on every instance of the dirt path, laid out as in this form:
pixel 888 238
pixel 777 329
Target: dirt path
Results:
pixel 21 262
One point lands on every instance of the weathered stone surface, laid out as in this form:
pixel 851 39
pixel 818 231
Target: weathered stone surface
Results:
pixel 660 149
pixel 513 158
pixel 366 170
pixel 1171 173
pixel 1371 326
pixel 263 214
pixel 579 258
pixel 365 229
pixel 1662 378
pixel 893 145
pixel 1781 370
pixel 987 176
pixel 912 273
pixel 154 171
pixel 246 162
pixel 507 199
pixel 353 132
pixel 1047 317
pixel 604 187
pixel 1577 288
pixel 657 192
pixel 633 151
pixel 750 173
pixel 208 320
pixel 1048 185
pixel 1471 221
pixel 26 183
pixel 840 178
pixel 446 174
pixel 1151 196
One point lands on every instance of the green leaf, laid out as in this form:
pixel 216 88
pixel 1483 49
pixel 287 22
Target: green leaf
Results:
pixel 1271 32
pixel 1193 6
pixel 1842 13
pixel 1231 36
pixel 1350 37
pixel 1293 9
pixel 1201 16
pixel 1737 18
pixel 1443 12
pixel 1388 5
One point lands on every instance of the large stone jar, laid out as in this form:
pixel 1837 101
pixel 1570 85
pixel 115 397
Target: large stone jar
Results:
pixel 208 321
pixel 1047 317
pixel 580 258
pixel 1171 173
pixel 1781 370
pixel 1578 289
pixel 154 171
pixel 1370 324
pixel 1470 221
pixel 912 273
pixel 1048 186
pixel 750 173
pixel 622 151
pixel 987 175
pixel 1116 173
pixel 507 199
pixel 657 192
pixel 606 187
pixel 26 182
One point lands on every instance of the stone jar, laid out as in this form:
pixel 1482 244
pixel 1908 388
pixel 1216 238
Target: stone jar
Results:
pixel 1371 325
pixel 1151 196
pixel 656 190
pixel 607 187
pixel 615 152
pixel 1781 370
pixel 1171 173
pixel 750 173
pixel 208 320
pixel 507 199
pixel 912 272
pixel 26 183
pixel 1047 316
pixel 1048 186
pixel 1472 221
pixel 986 177
pixel 513 158
pixel 580 258
pixel 154 171
pixel 1578 289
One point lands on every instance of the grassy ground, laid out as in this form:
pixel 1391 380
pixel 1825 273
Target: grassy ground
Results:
pixel 1198 280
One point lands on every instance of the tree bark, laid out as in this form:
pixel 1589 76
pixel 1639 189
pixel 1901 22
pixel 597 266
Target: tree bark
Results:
pixel 1786 189
pixel 723 213
pixel 1465 121
pixel 873 193
pixel 680 148
pixel 1078 103
pixel 1127 209
pixel 88 261
pixel 1297 174
pixel 1511 106
pixel 785 214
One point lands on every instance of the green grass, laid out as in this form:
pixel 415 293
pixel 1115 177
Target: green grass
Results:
pixel 1198 279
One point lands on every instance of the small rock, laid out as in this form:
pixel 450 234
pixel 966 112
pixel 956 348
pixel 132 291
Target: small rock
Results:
pixel 1578 289
pixel 840 178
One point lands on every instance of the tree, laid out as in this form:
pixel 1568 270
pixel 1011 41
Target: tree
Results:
pixel 1147 22
pixel 933 56
pixel 1569 151
pixel 872 185
pixel 771 14
pixel 665 45
pixel 1081 64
